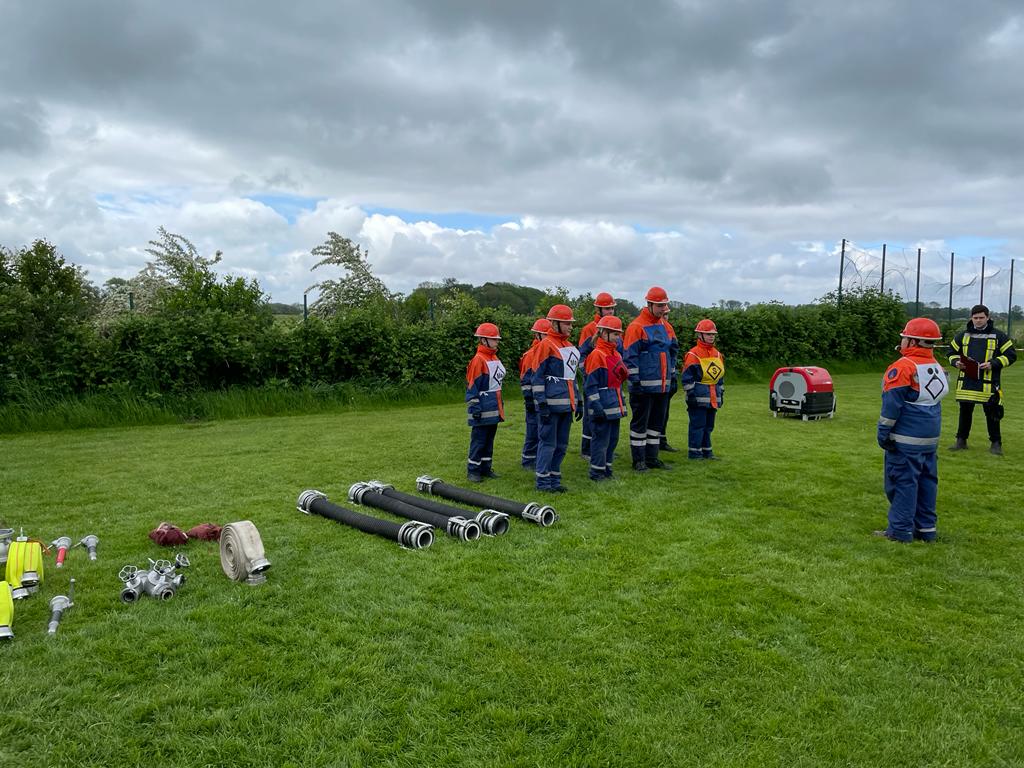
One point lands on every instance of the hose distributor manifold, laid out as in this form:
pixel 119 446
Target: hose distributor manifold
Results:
pixel 241 553
pixel 370 495
pixel 491 521
pixel 410 535
pixel 160 581
pixel 542 515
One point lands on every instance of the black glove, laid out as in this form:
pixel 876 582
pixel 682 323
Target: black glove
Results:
pixel 888 444
pixel 579 413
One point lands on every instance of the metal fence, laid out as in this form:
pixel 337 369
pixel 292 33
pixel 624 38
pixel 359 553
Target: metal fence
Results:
pixel 943 286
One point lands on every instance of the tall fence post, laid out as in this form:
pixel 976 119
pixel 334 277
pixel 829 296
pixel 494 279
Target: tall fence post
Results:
pixel 981 300
pixel 305 309
pixel 949 317
pixel 917 287
pixel 842 266
pixel 131 301
pixel 882 287
pixel 1009 314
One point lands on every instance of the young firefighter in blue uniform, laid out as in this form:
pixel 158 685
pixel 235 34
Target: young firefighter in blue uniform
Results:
pixel 602 391
pixel 556 396
pixel 993 350
pixel 604 306
pixel 908 431
pixel 484 376
pixel 526 365
pixel 703 374
pixel 650 350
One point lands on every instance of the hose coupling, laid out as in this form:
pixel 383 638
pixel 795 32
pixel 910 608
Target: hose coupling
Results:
pixel 425 484
pixel 306 499
pixel 356 492
pixel 492 522
pixel 90 542
pixel 415 535
pixel 463 529
pixel 380 485
pixel 62 545
pixel 543 516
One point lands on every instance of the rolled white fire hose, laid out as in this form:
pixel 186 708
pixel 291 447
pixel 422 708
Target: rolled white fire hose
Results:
pixel 241 553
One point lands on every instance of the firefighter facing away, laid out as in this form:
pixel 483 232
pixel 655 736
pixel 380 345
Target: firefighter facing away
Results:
pixel 556 396
pixel 603 395
pixel 703 375
pixel 908 432
pixel 527 363
pixel 604 306
pixel 992 350
pixel 650 350
pixel 484 376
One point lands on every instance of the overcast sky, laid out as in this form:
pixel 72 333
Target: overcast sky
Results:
pixel 720 148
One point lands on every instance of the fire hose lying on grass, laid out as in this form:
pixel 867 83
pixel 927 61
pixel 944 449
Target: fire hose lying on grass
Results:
pixel 6 611
pixel 160 581
pixel 241 553
pixel 370 495
pixel 24 567
pixel 411 535
pixel 491 521
pixel 542 515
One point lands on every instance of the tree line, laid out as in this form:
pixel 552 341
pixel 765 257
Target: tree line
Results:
pixel 178 326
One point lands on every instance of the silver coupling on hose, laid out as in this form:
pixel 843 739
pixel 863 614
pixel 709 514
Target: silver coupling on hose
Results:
pixel 543 516
pixel 380 485
pixel 306 498
pixel 425 484
pixel 356 492
pixel 463 529
pixel 492 522
pixel 415 535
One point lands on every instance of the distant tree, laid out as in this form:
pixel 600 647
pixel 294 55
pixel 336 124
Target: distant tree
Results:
pixel 358 288
pixel 551 296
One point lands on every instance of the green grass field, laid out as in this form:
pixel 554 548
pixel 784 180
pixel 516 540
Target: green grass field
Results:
pixel 732 613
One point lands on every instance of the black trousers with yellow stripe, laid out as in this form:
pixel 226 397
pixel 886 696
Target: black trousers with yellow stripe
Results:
pixel 993 413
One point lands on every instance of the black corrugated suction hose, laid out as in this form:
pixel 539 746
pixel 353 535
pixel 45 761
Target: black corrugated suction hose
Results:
pixel 542 515
pixel 491 521
pixel 458 527
pixel 411 535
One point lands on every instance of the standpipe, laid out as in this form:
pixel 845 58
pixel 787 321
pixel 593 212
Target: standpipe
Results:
pixel 410 535
pixel 457 526
pixel 542 515
pixel 491 521
pixel 59 605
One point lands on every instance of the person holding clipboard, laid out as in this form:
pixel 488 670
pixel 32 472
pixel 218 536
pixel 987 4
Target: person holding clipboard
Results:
pixel 979 353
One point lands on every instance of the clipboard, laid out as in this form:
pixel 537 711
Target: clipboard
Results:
pixel 969 367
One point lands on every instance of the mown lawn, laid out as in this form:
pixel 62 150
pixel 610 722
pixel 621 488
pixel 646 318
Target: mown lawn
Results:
pixel 732 613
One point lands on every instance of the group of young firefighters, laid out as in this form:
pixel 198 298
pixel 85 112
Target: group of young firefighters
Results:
pixel 644 356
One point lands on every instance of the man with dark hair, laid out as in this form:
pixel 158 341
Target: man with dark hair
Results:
pixel 980 353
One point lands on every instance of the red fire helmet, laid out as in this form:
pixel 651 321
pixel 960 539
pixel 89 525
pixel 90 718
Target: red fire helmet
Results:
pixel 487 331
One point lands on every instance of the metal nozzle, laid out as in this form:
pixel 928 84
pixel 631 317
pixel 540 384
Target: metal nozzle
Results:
pixel 90 542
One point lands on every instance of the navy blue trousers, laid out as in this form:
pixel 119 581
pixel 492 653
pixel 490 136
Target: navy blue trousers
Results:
pixel 529 457
pixel 911 485
pixel 587 430
pixel 481 449
pixel 603 440
pixel 702 423
pixel 554 442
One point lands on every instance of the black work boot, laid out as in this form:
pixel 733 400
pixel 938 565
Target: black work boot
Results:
pixel 639 466
pixel 959 445
pixel 667 448
pixel 996 449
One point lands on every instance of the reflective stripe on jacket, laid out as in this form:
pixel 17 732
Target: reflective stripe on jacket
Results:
pixel 912 391
pixel 650 351
pixel 703 376
pixel 989 345
pixel 554 375
pixel 484 377
pixel 603 383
